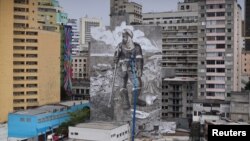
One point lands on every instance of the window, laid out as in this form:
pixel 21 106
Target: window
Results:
pixel 219 38
pixel 22 119
pixel 31 48
pixel 219 14
pixel 211 14
pixel 28 120
pixel 202 93
pixel 220 46
pixel 211 6
pixel 210 94
pixel 221 6
pixel 210 62
pixel 182 7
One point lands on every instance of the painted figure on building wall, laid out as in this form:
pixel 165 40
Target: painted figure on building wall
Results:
pixel 129 61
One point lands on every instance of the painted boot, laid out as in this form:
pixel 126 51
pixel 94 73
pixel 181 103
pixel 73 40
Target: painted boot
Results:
pixel 125 99
pixel 139 102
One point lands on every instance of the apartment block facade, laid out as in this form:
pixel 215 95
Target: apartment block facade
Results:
pixel 75 40
pixel 85 28
pixel 247 25
pixel 50 15
pixel 179 58
pixel 30 57
pixel 219 49
pixel 80 66
pixel 124 10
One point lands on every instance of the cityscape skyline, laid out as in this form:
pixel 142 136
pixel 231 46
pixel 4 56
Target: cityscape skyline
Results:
pixel 148 70
pixel 77 9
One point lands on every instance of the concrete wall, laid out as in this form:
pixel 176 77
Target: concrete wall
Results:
pixel 245 57
pixel 239 106
pixel 99 134
pixel 49 67
pixel 6 60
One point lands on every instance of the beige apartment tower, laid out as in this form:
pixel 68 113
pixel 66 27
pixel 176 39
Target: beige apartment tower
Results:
pixel 29 59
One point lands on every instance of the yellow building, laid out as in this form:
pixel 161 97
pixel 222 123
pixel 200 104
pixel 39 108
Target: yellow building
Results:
pixel 29 58
pixel 47 14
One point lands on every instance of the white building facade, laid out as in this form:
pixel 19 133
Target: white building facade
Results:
pixel 75 43
pixel 85 28
pixel 100 131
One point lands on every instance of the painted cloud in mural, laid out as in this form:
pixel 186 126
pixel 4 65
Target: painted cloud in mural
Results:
pixel 114 37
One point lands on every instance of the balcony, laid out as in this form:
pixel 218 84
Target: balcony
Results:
pixel 216 26
pixel 175 97
pixel 180 54
pixel 215 74
pixel 215 2
pixel 32 103
pixel 216 66
pixel 216 10
pixel 215 81
pixel 216 34
pixel 20 104
pixel 175 104
pixel 175 111
pixel 216 18
pixel 216 89
pixel 179 48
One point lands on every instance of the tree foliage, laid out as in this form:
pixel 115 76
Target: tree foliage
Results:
pixel 247 87
pixel 79 116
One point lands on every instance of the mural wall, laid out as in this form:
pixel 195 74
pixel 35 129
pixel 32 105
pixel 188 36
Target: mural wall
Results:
pixel 103 45
pixel 67 60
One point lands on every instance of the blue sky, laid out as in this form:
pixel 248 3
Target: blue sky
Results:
pixel 100 8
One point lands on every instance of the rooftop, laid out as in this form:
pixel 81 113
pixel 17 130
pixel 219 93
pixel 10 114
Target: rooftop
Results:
pixel 40 110
pixel 225 122
pixel 50 108
pixel 216 101
pixel 71 103
pixel 181 79
pixel 100 125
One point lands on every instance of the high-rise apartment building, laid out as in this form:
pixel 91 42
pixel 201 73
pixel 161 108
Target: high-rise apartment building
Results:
pixel 179 57
pixel 80 66
pixel 50 15
pixel 219 56
pixel 247 25
pixel 85 28
pixel 75 39
pixel 124 10
pixel 245 57
pixel 219 48
pixel 29 56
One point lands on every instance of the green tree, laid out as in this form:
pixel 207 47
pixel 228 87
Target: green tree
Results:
pixel 247 87
pixel 64 95
pixel 79 116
